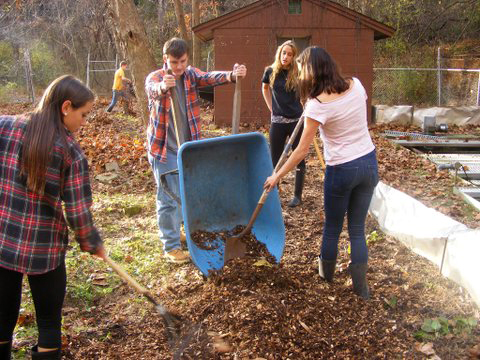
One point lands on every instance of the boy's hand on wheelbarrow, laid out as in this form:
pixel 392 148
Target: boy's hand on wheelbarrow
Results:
pixel 271 182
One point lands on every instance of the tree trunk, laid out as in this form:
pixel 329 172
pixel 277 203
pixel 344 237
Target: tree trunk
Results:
pixel 195 39
pixel 131 38
pixel 162 9
pixel 180 14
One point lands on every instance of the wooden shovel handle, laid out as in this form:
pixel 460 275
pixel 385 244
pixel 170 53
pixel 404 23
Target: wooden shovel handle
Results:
pixel 123 274
pixel 319 154
pixel 237 104
pixel 175 109
pixel 288 146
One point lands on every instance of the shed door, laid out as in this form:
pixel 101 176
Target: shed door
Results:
pixel 302 43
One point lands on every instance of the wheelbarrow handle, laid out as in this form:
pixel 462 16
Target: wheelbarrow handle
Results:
pixel 166 188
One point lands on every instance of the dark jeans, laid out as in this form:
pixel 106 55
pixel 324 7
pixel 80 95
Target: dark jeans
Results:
pixel 278 138
pixel 348 188
pixel 48 292
pixel 116 94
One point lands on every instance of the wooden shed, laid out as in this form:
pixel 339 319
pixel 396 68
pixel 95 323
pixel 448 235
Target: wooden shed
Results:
pixel 250 35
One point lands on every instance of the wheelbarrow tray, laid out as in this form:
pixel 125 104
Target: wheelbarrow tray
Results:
pixel 221 180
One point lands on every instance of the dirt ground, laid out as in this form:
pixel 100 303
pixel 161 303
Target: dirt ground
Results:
pixel 258 310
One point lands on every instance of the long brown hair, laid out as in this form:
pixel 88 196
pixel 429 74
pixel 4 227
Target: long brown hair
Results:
pixel 319 73
pixel 292 74
pixel 46 125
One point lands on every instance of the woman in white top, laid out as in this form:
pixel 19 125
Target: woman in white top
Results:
pixel 337 105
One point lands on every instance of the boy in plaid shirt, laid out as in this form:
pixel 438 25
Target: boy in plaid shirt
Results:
pixel 41 168
pixel 164 138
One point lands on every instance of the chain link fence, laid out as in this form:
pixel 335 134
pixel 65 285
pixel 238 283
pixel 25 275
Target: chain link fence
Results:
pixel 426 87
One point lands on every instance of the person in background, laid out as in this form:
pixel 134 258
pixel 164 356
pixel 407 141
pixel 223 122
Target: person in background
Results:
pixel 118 88
pixel 165 137
pixel 279 89
pixel 42 171
pixel 337 105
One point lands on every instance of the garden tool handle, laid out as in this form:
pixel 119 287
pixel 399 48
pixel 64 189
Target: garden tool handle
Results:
pixel 319 154
pixel 237 104
pixel 123 274
pixel 175 109
pixel 164 184
pixel 259 206
pixel 289 144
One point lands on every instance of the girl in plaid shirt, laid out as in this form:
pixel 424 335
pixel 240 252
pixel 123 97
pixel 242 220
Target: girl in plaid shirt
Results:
pixel 42 168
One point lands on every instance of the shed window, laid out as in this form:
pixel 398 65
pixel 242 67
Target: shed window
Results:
pixel 294 6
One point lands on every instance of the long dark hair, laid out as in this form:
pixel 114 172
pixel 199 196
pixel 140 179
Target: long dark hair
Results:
pixel 46 125
pixel 319 73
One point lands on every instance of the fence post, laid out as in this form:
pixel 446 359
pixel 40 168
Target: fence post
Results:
pixel 88 70
pixel 439 76
pixel 28 74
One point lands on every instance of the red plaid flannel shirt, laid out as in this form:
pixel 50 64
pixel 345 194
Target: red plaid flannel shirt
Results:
pixel 159 106
pixel 33 229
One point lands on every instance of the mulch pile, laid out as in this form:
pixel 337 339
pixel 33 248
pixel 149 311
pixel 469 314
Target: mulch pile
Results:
pixel 261 310
pixel 206 240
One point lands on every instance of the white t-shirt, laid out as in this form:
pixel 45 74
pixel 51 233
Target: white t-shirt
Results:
pixel 343 125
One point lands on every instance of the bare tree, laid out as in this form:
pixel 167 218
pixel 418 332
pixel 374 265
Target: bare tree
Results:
pixel 180 14
pixel 131 38
pixel 195 40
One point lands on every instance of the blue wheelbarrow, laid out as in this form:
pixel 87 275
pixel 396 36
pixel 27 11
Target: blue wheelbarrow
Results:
pixel 221 180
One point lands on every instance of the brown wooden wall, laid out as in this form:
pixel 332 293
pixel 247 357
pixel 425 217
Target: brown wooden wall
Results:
pixel 252 40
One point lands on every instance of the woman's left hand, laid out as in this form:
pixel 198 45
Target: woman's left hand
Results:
pixel 271 182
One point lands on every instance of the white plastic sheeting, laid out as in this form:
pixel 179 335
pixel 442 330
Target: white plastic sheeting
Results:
pixel 426 231
pixel 408 115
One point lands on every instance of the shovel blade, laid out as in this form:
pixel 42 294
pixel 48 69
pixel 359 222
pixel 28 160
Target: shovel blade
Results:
pixel 234 248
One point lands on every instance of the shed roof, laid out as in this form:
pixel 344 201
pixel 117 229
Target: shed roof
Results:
pixel 205 30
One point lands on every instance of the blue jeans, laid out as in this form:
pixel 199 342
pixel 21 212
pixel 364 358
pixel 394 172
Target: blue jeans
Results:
pixel 348 188
pixel 169 216
pixel 116 94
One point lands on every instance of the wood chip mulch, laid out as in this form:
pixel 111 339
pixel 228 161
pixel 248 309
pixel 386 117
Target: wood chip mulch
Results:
pixel 258 310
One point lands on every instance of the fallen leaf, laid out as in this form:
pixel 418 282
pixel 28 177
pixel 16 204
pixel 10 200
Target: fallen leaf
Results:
pixel 425 348
pixel 262 262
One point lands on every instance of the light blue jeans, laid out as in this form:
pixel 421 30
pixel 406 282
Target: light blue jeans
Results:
pixel 116 94
pixel 169 215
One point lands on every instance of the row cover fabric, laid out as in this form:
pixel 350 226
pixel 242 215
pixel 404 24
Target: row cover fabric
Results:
pixel 409 115
pixel 426 232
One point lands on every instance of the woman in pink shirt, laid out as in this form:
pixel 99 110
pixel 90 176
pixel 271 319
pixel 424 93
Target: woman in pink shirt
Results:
pixel 337 105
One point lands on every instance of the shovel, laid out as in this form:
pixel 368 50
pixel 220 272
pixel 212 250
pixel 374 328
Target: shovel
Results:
pixel 234 246
pixel 172 322
pixel 237 103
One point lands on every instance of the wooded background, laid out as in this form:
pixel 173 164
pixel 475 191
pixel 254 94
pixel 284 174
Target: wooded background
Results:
pixel 59 35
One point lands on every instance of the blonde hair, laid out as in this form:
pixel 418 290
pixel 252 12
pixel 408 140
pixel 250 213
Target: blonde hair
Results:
pixel 292 75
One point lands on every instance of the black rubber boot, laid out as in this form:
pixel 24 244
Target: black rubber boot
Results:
pixel 299 181
pixel 359 279
pixel 326 268
pixel 48 355
pixel 6 351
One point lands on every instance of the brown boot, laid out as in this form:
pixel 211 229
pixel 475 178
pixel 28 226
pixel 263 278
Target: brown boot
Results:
pixel 177 256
